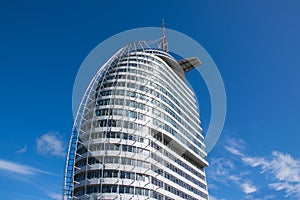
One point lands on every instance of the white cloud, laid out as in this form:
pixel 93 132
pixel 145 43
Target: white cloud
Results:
pixel 289 188
pixel 20 169
pixel 235 146
pixel 283 168
pixel 233 151
pixel 23 150
pixel 55 196
pixel 212 186
pixel 269 197
pixel 234 178
pixel 212 198
pixel 254 161
pixel 27 174
pixel 222 169
pixel 236 143
pixel 248 187
pixel 286 168
pixel 50 144
pixel 225 172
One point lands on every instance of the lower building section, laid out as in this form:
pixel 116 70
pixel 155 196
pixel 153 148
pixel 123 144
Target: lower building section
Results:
pixel 136 165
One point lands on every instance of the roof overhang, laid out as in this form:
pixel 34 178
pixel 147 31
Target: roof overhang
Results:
pixel 187 64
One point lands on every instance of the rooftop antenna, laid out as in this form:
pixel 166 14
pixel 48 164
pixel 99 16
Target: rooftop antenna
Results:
pixel 164 43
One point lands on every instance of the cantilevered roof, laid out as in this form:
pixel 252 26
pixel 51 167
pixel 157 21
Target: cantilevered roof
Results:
pixel 187 64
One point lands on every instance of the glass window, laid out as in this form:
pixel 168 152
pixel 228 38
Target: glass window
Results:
pixel 121 189
pixel 115 174
pixel 105 189
pixel 132 176
pixel 138 191
pixel 116 160
pixel 131 190
pixel 113 189
pixel 127 190
pixel 132 104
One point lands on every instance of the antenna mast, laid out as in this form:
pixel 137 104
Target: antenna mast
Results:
pixel 164 43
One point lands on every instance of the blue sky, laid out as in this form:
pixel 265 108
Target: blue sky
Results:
pixel 255 45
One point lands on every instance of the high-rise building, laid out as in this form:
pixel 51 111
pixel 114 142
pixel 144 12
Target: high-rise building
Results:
pixel 137 132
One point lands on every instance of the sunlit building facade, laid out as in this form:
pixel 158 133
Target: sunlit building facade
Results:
pixel 137 133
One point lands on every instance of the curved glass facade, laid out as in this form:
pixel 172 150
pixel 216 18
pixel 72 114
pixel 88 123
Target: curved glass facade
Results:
pixel 137 134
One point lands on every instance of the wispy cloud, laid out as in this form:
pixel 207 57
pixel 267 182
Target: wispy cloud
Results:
pixel 233 151
pixel 283 168
pixel 50 144
pixel 22 196
pixel 212 198
pixel 266 197
pixel 54 196
pixel 222 170
pixel 236 143
pixel 226 172
pixel 20 169
pixel 235 146
pixel 248 187
pixel 27 174
pixel 23 150
pixel 50 194
pixel 215 198
pixel 289 188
